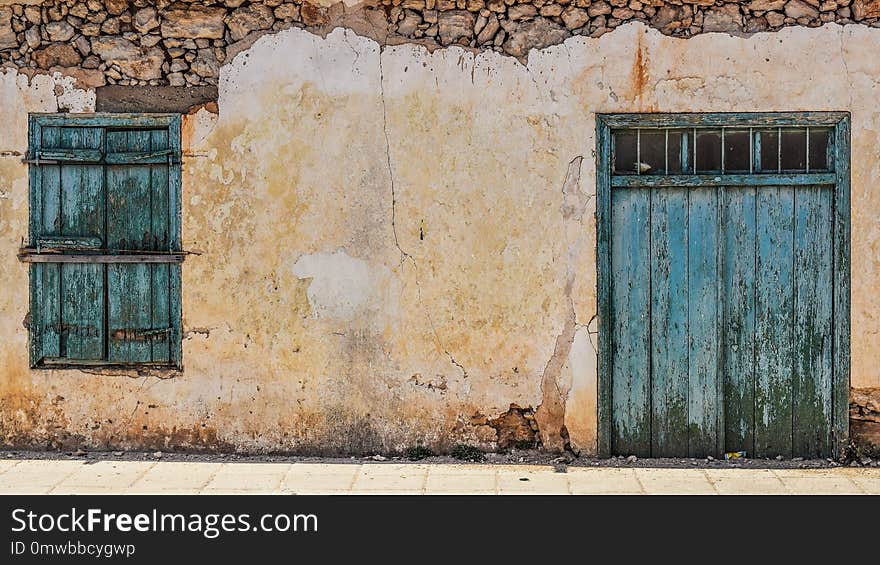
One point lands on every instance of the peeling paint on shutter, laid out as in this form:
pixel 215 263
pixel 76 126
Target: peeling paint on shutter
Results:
pixel 108 192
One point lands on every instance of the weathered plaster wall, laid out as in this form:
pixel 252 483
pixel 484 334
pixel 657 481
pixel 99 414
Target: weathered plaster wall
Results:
pixel 399 245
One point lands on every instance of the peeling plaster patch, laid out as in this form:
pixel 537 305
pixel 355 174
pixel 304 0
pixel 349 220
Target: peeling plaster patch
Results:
pixel 516 428
pixel 71 99
pixel 196 128
pixel 582 422
pixel 20 95
pixel 342 64
pixel 343 287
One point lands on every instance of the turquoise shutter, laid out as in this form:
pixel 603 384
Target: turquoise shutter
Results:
pixel 139 318
pixel 102 192
pixel 70 325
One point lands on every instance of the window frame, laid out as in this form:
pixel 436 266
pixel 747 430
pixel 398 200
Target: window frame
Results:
pixel 171 122
pixel 839 122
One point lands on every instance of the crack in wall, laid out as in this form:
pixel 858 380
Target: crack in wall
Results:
pixel 404 255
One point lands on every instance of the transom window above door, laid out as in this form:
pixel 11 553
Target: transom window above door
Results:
pixel 739 144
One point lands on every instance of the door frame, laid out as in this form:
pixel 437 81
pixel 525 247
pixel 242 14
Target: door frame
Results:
pixel 840 356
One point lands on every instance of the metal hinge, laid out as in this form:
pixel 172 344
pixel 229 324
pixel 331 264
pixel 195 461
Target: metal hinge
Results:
pixel 36 160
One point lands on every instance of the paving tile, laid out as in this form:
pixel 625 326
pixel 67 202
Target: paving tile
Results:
pixel 603 481
pixel 318 478
pixel 807 482
pixel 869 485
pixel 391 479
pixel 674 481
pixel 175 477
pixel 247 477
pixel 111 475
pixel 6 464
pixel 542 480
pixel 746 481
pixel 461 479
pixel 36 476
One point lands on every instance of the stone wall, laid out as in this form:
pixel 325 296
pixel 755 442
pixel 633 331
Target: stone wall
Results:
pixel 157 42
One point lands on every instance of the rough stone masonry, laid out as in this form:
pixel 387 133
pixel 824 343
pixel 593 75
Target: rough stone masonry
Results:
pixel 159 42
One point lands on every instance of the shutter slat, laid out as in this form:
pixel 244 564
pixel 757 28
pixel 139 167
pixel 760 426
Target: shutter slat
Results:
pixel 129 191
pixel 160 274
pixel 82 216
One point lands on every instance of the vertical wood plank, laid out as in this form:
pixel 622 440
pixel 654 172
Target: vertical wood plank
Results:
pixel 774 306
pixel 129 196
pixel 841 349
pixel 82 285
pixel 603 283
pixel 631 297
pixel 811 381
pixel 738 292
pixel 174 240
pixel 669 322
pixel 160 281
pixel 50 222
pixel 47 318
pixel 703 315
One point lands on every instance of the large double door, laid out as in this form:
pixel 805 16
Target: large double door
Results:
pixel 725 294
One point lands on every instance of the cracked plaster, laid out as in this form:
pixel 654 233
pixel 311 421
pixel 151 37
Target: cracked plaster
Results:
pixel 461 185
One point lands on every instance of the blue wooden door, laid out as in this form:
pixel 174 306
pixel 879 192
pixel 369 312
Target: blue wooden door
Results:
pixel 721 299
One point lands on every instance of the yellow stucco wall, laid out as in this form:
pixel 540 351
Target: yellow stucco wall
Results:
pixel 396 246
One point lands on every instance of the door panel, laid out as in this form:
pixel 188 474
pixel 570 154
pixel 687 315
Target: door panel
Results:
pixel 811 385
pixel 669 320
pixel 632 301
pixel 774 306
pixel 731 289
pixel 738 341
pixel 139 318
pixel 82 215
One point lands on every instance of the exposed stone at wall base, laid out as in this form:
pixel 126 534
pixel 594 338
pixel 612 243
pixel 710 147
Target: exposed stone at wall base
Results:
pixel 864 418
pixel 160 42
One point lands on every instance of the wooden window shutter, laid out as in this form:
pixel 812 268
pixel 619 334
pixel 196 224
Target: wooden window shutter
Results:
pixel 104 245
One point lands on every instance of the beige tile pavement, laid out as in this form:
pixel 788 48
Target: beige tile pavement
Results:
pixel 754 481
pixel 173 477
pixel 461 479
pixel 531 480
pixel 674 481
pixel 36 477
pixel 102 477
pixel 587 480
pixel 317 478
pixel 233 478
pixel 391 479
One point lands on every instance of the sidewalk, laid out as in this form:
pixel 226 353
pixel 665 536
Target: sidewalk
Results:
pixel 169 477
